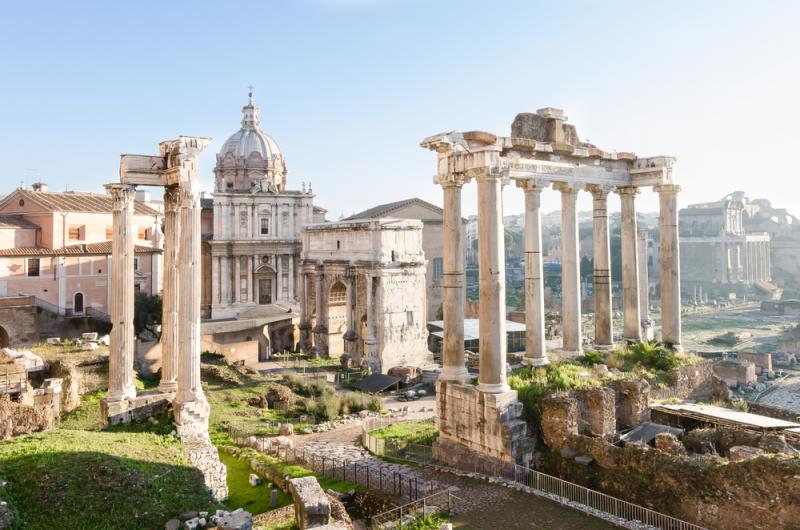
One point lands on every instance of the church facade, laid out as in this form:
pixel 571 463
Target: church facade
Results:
pixel 253 245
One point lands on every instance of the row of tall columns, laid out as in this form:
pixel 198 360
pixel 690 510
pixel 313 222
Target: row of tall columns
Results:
pixel 120 366
pixel 228 290
pixel 601 248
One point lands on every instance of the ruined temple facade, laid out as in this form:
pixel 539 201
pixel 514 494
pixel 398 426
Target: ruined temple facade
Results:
pixel 720 251
pixel 364 285
pixel 483 422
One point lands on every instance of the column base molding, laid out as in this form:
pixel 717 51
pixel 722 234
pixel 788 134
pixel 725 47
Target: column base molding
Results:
pixel 577 353
pixel 604 347
pixel 493 388
pixel 458 374
pixel 536 361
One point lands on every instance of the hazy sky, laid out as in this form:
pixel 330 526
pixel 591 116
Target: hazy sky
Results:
pixel 348 88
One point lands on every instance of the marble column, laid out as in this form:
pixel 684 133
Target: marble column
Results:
pixel 214 280
pixel 632 327
pixel 453 282
pixel 644 278
pixel 169 319
pixel 237 280
pixel 225 280
pixel 190 288
pixel 279 295
pixel 250 290
pixel 572 341
pixel 535 352
pixel 371 340
pixel 670 266
pixel 767 262
pixel 603 322
pixel 321 329
pixel 305 317
pixel 351 335
pixel 121 351
pixel 292 271
pixel 491 284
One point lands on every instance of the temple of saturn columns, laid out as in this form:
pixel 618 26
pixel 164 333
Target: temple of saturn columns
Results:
pixel 543 151
pixel 175 169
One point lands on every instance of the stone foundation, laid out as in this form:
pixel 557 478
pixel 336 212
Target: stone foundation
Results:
pixel 312 508
pixel 478 425
pixel 127 410
pixel 204 456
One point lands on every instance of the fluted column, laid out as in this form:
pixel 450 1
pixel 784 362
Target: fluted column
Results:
pixel 570 271
pixel 250 290
pixel 321 329
pixel 305 317
pixel 121 351
pixel 670 266
pixel 492 284
pixel 603 329
pixel 453 282
pixel 535 352
pixel 169 319
pixel 225 280
pixel 371 340
pixel 190 288
pixel 631 329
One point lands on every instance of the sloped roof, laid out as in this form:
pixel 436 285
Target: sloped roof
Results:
pixel 72 250
pixel 385 210
pixel 69 201
pixel 15 221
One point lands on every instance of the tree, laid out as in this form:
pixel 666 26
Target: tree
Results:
pixel 146 313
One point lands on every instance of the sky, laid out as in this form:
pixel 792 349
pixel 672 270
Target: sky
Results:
pixel 348 88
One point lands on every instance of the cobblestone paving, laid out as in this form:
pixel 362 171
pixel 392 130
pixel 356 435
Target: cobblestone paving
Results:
pixel 787 396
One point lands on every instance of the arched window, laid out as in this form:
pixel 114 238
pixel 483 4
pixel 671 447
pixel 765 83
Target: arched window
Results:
pixel 338 294
pixel 77 303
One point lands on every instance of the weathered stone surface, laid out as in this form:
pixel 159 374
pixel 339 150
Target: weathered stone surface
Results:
pixel 598 415
pixel 311 504
pixel 735 373
pixel 286 429
pixel 738 453
pixel 482 423
pixel 254 479
pixel 559 420
pixel 669 443
pixel 632 402
pixel 235 520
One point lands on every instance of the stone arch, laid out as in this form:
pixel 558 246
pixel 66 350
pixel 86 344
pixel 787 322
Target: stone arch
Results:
pixel 5 341
pixel 78 303
pixel 265 283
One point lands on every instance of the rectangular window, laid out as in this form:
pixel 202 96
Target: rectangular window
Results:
pixel 265 226
pixel 438 268
pixel 109 233
pixel 75 232
pixel 136 263
pixel 33 266
pixel 142 233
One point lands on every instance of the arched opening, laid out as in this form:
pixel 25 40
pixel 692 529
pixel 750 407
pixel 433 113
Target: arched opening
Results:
pixel 337 319
pixel 5 342
pixel 265 283
pixel 77 303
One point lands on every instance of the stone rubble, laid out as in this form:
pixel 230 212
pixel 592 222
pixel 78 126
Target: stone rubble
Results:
pixel 220 520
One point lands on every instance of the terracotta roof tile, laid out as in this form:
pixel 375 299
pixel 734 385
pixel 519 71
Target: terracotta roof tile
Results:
pixel 68 201
pixel 72 250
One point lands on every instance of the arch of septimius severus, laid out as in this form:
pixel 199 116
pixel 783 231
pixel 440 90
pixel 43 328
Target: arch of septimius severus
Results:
pixel 543 151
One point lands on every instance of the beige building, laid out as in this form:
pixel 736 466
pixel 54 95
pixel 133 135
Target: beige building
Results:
pixel 364 285
pixel 432 241
pixel 252 246
pixel 56 247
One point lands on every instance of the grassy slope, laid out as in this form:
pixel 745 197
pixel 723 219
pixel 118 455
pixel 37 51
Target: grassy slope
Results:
pixel 254 499
pixel 415 432
pixel 84 479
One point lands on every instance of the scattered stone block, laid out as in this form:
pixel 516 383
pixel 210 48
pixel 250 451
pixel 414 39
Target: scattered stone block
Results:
pixel 92 336
pixel 254 479
pixel 738 453
pixel 286 429
pixel 669 443
pixel 311 506
pixel 173 524
pixel 54 341
pixel 235 520
pixel 600 371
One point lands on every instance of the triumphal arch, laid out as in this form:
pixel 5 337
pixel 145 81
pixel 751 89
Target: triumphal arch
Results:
pixel 542 152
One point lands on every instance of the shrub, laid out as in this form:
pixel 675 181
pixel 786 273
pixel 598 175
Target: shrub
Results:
pixel 591 358
pixel 296 383
pixel 325 407
pixel 653 355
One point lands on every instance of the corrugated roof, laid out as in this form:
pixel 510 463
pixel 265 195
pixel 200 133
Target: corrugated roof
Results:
pixel 71 250
pixel 68 201
pixel 15 221
pixel 384 210
pixel 712 413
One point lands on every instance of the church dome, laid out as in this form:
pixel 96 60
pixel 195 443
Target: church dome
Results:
pixel 250 157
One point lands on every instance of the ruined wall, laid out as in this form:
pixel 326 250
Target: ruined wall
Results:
pixel 633 402
pixel 79 377
pixel 688 382
pixel 598 412
pixel 759 493
pixel 20 323
pixel 559 420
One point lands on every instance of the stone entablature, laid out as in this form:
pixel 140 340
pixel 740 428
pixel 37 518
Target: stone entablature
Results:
pixel 364 285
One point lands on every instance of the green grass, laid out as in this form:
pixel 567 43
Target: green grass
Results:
pixel 99 480
pixel 254 499
pixel 415 432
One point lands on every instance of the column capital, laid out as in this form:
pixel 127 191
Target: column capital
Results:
pixel 122 195
pixel 530 185
pixel 488 173
pixel 599 191
pixel 171 198
pixel 567 187
pixel 667 189
pixel 627 191
pixel 451 180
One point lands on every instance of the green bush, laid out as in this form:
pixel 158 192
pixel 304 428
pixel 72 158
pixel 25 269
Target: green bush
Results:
pixel 296 383
pixel 325 407
pixel 653 355
pixel 591 358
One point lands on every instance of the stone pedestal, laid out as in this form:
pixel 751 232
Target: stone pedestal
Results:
pixel 114 412
pixel 477 427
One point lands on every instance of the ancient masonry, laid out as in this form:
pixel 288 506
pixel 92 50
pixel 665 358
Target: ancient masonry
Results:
pixel 542 151
pixel 175 168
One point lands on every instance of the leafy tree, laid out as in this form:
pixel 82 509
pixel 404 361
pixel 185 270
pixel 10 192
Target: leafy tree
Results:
pixel 146 313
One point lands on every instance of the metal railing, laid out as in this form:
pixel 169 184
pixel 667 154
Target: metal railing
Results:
pixel 581 498
pixel 441 503
pixel 397 483
pixel 13 379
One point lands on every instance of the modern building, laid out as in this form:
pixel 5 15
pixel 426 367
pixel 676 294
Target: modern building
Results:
pixel 56 247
